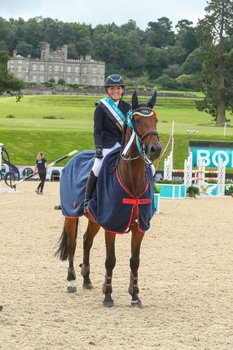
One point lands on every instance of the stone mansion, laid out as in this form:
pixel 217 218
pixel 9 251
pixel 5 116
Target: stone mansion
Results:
pixel 55 65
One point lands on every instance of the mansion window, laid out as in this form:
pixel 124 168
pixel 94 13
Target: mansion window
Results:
pixel 56 78
pixel 94 69
pixel 69 69
pixel 19 68
pixel 76 69
pixel 76 80
pixel 93 81
pixel 84 80
pixel 41 78
pixel 85 69
pixel 56 67
pixel 50 68
pixel 34 77
pixel 19 76
pixel 68 79
pixel 34 66
pixel 42 67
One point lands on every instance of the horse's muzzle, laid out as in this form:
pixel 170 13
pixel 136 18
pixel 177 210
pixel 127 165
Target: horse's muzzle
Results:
pixel 154 151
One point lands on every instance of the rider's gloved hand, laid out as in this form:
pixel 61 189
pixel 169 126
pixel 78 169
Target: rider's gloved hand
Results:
pixel 99 152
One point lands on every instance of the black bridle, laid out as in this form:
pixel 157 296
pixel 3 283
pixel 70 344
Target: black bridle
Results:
pixel 141 145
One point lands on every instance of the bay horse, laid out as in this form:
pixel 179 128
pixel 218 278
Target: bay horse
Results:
pixel 132 169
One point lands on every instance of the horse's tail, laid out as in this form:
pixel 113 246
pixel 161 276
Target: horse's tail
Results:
pixel 62 244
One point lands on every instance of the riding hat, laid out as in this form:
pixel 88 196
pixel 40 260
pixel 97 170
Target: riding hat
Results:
pixel 114 79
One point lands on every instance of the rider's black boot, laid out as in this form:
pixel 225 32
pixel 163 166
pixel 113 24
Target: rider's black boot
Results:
pixel 91 183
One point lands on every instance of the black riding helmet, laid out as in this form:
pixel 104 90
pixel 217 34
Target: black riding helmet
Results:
pixel 114 80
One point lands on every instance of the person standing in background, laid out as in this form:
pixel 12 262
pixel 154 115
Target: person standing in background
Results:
pixel 40 168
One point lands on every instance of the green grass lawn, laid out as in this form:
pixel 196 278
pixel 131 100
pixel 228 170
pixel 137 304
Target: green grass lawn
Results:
pixel 28 132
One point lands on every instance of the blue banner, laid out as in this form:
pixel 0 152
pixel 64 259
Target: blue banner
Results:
pixel 211 155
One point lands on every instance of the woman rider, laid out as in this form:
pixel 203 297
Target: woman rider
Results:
pixel 109 117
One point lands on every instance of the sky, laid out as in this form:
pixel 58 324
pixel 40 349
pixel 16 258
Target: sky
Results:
pixel 96 12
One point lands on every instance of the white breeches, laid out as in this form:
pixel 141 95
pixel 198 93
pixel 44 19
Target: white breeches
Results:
pixel 98 162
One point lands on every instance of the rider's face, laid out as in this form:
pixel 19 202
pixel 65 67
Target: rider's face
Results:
pixel 115 92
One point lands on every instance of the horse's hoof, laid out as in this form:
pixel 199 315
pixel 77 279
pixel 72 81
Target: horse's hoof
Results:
pixel 71 289
pixel 88 286
pixel 108 304
pixel 137 304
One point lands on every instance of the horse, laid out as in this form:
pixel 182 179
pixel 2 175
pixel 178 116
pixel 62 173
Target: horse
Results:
pixel 130 166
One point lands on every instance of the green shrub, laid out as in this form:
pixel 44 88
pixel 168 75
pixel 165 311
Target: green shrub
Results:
pixel 49 84
pixel 10 116
pixel 50 117
pixel 228 189
pixel 75 85
pixel 157 189
pixel 170 182
pixel 31 83
pixel 212 181
pixel 193 189
pixel 61 82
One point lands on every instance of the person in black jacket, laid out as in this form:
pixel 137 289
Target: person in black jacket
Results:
pixel 40 168
pixel 109 117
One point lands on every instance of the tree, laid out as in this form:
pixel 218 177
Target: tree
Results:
pixel 183 24
pixel 6 32
pixel 192 65
pixel 8 82
pixel 155 61
pixel 215 54
pixel 82 39
pixel 163 30
pixel 144 80
pixel 173 71
pixel 24 49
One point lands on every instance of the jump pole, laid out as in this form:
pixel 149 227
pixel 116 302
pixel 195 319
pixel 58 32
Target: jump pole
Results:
pixel 1 144
pixel 49 165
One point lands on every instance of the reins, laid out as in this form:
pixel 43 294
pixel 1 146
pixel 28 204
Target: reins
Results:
pixel 141 146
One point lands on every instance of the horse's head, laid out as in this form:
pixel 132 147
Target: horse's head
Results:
pixel 143 120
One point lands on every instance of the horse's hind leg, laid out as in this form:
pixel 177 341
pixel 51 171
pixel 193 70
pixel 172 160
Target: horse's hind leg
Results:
pixel 110 263
pixel 71 229
pixel 88 237
pixel 66 250
pixel 136 241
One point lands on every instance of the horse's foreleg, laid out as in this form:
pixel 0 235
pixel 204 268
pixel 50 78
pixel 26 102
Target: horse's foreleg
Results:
pixel 71 227
pixel 88 237
pixel 136 241
pixel 110 263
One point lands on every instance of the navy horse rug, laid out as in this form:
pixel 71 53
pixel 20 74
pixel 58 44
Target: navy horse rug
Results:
pixel 112 205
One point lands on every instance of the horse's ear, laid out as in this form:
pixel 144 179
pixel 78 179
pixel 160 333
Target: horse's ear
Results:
pixel 152 100
pixel 134 101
